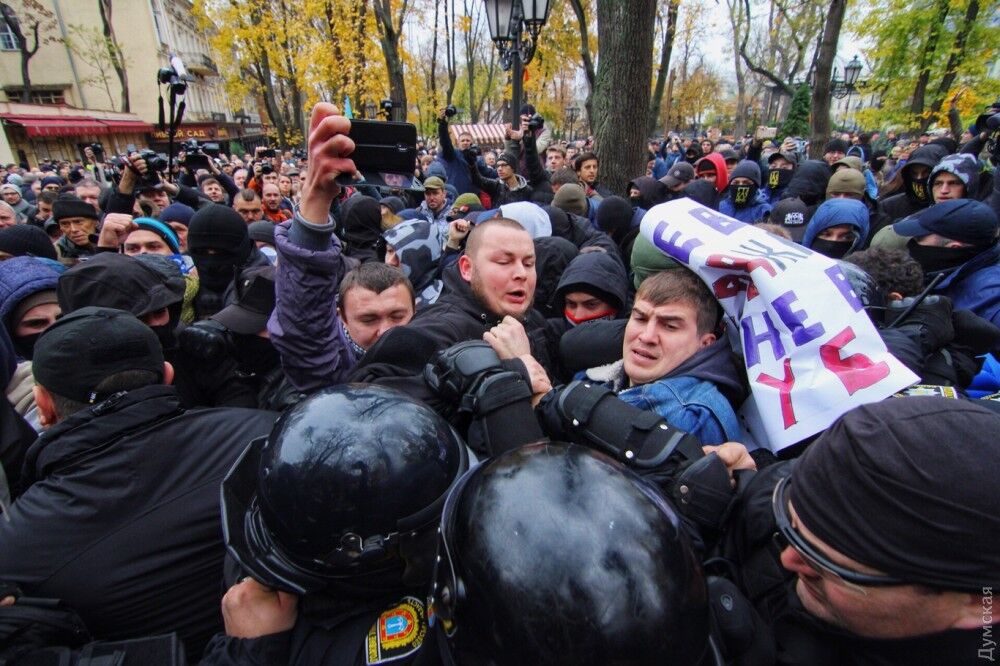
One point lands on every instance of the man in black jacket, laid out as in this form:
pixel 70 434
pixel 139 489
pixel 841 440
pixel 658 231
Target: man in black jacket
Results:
pixel 493 280
pixel 511 186
pixel 890 550
pixel 120 518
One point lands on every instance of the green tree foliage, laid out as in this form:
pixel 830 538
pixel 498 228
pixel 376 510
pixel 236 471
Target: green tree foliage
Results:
pixel 927 53
pixel 797 122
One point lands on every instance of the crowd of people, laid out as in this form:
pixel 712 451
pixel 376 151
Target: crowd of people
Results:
pixel 484 418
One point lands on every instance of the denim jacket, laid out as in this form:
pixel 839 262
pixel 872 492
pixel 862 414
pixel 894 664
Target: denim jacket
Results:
pixel 685 401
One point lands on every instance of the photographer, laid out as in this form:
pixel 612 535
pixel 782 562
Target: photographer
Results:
pixel 455 163
pixel 538 131
pixel 511 186
pixel 138 177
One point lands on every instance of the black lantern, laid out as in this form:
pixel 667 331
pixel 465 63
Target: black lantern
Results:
pixel 514 28
pixel 852 71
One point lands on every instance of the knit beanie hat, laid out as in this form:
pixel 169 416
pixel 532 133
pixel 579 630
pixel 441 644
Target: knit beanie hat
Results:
pixel 468 199
pixel 69 205
pixel 177 212
pixel 746 169
pixel 26 240
pixel 220 228
pixel 846 181
pixel 162 230
pixel 572 199
pixel 648 260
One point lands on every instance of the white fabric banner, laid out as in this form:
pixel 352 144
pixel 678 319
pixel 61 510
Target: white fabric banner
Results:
pixel 810 351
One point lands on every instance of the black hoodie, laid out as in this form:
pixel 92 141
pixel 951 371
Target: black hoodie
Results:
pixel 898 206
pixel 113 280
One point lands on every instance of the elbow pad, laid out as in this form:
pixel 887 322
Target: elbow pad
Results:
pixel 592 414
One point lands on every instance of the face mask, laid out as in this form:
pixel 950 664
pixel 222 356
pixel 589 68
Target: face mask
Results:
pixel 607 315
pixel 24 345
pixel 165 334
pixel 215 271
pixel 255 354
pixel 744 195
pixel 832 249
pixel 916 189
pixel 778 178
pixel 933 259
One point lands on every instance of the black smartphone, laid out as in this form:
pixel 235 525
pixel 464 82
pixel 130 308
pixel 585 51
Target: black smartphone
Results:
pixel 267 152
pixel 384 152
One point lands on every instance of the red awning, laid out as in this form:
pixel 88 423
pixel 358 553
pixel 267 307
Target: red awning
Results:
pixel 121 126
pixel 56 125
pixel 486 135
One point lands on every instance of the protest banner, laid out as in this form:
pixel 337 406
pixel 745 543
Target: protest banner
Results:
pixel 810 350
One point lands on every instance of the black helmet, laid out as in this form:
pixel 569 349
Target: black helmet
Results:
pixel 341 490
pixel 558 554
pixel 865 288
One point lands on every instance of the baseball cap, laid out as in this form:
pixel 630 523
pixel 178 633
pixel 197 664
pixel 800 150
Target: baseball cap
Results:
pixel 963 220
pixel 254 302
pixel 433 183
pixel 680 173
pixel 791 157
pixel 82 349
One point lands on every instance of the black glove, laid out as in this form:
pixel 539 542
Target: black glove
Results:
pixel 932 316
pixel 456 372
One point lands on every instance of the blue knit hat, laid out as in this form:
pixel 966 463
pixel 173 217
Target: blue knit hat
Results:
pixel 162 230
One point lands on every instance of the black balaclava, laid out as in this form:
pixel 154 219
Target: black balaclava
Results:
pixel 220 229
pixel 932 258
pixel 832 249
pixel 917 189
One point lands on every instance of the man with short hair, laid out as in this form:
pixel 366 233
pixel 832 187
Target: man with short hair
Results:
pixel 587 167
pixel 122 500
pixel 89 190
pixel 673 362
pixel 271 200
pixel 248 204
pixel 555 158
pixel 212 188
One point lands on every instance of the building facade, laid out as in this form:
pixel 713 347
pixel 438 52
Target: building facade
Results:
pixel 73 82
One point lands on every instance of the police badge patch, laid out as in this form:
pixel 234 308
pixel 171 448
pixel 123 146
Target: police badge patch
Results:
pixel 398 632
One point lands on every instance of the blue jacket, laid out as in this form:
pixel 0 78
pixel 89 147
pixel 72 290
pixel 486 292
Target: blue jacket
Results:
pixel 975 285
pixel 454 162
pixel 834 212
pixel 699 396
pixel 747 214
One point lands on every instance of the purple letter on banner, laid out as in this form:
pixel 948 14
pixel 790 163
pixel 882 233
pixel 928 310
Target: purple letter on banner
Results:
pixel 841 282
pixel 720 223
pixel 681 252
pixel 795 320
pixel 752 340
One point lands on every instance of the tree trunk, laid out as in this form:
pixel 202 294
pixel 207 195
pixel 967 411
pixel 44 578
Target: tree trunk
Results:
pixel 927 58
pixel 389 36
pixel 820 122
pixel 955 59
pixel 588 62
pixel 114 52
pixel 621 88
pixel 10 18
pixel 666 48
pixel 670 102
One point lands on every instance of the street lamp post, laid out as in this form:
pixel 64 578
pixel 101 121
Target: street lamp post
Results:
pixel 572 113
pixel 370 111
pixel 514 27
pixel 849 84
